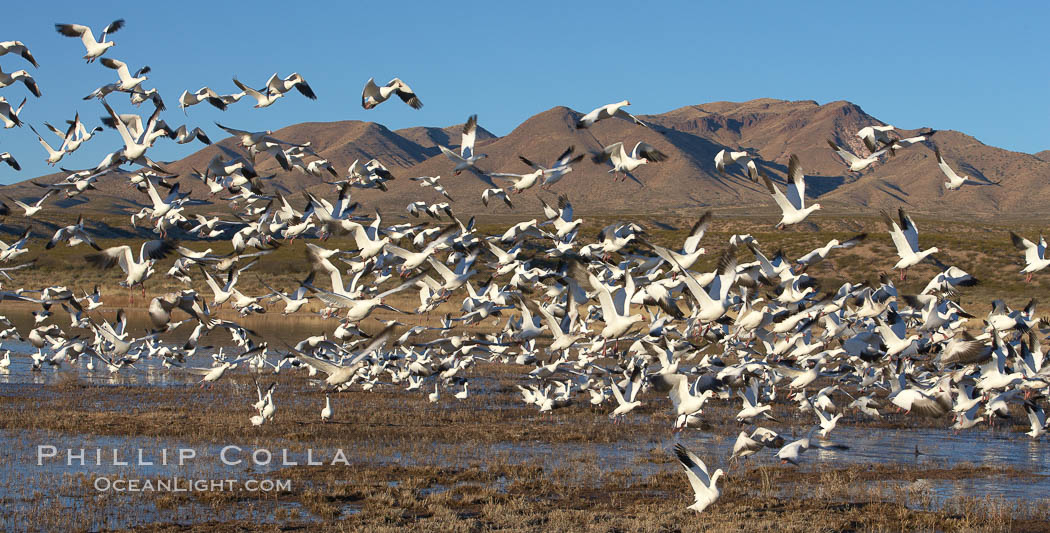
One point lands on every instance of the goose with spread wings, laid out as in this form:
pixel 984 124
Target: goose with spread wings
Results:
pixel 608 111
pixel 705 486
pixel 855 164
pixel 906 239
pixel 373 95
pixel 793 204
pixel 1034 255
pixel 94 48
pixel 615 153
pixel 466 158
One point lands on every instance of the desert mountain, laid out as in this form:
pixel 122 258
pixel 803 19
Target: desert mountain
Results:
pixel 690 136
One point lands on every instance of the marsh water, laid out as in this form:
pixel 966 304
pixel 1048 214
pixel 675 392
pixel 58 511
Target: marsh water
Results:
pixel 26 480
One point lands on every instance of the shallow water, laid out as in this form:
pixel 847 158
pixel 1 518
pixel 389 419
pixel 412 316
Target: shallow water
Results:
pixel 635 456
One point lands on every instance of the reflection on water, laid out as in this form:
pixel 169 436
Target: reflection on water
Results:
pixel 272 328
pixel 637 456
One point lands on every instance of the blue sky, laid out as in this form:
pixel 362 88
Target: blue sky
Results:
pixel 959 65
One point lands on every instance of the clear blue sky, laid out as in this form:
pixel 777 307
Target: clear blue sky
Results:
pixel 973 67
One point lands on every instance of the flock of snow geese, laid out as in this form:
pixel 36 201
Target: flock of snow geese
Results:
pixel 568 305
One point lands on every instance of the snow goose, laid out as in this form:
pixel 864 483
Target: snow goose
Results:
pixel 15 249
pixel 520 183
pixel 705 487
pixel 53 156
pixel 9 114
pixel 1037 419
pixel 16 47
pixel 94 48
pixel 855 164
pixel 466 158
pixel 261 100
pixel 127 82
pixel 793 204
pixel 137 271
pixel 373 95
pixel 182 135
pixel 35 207
pixel 713 301
pixel 744 159
pixel 1034 254
pixel 626 401
pixel 557 171
pixel 495 194
pixel 615 153
pixel 752 405
pixel 562 218
pixel 277 84
pixel 204 94
pixel 906 239
pixel 876 137
pixel 6 157
pixel 326 412
pixel 8 79
pixel 435 183
pixel 820 254
pixel 792 452
pixel 827 423
pixel 135 146
pixel 339 374
pixel 75 234
pixel 608 111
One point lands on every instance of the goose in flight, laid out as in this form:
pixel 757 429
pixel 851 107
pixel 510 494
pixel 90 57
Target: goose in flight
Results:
pixel 705 487
pixel 137 271
pixel 261 100
pixel 183 136
pixel 127 82
pixel 434 182
pixel 744 159
pixel 135 146
pixel 94 48
pixel 277 84
pixel 876 137
pixel 855 164
pixel 793 204
pixel 955 181
pixel 906 239
pixel 204 94
pixel 466 158
pixel 520 183
pixel 615 153
pixel 9 115
pixel 7 80
pixel 16 47
pixel 75 234
pixel 489 195
pixel 373 95
pixel 35 207
pixel 338 374
pixel 608 111
pixel 1034 255
pixel 557 171
pixel 53 156
pixel 6 157
pixel 75 136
